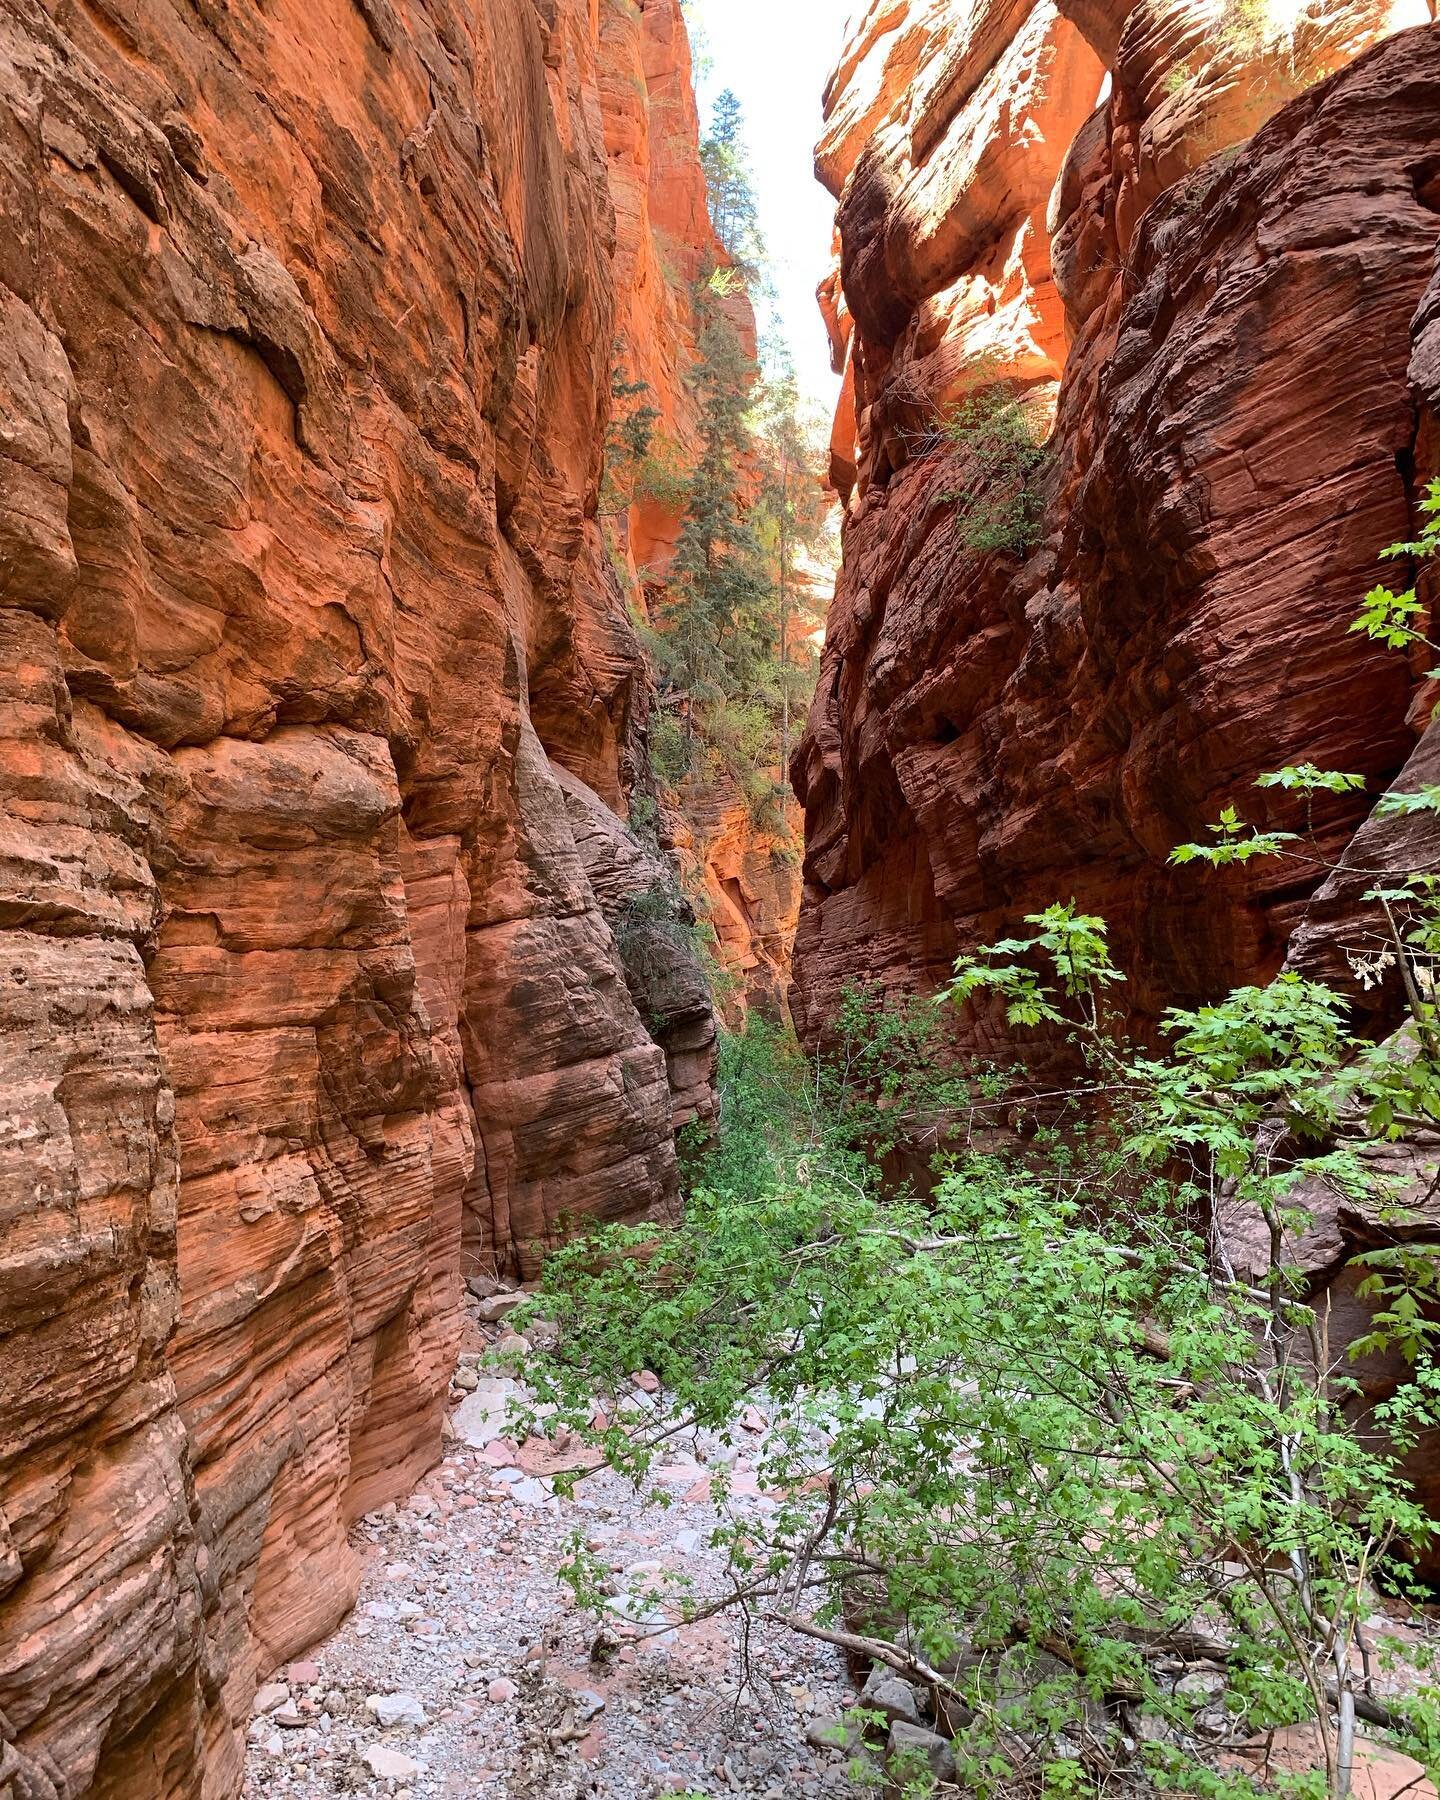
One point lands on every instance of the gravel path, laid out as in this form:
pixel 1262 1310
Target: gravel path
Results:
pixel 466 1668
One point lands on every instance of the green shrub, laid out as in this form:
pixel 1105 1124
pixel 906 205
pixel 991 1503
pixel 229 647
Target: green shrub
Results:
pixel 1033 1439
pixel 1014 1416
pixel 672 753
pixel 662 477
pixel 999 507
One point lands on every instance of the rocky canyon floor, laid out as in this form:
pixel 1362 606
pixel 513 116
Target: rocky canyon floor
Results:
pixel 466 1667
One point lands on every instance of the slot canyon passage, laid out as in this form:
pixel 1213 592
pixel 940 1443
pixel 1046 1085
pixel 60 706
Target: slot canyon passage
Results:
pixel 554 1240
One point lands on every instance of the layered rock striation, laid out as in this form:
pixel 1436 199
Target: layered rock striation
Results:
pixel 315 680
pixel 1222 327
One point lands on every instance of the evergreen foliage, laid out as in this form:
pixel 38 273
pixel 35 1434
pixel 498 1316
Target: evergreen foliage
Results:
pixel 731 630
pixel 733 211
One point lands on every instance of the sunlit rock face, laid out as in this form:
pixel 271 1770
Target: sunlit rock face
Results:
pixel 1237 431
pixel 746 872
pixel 307 316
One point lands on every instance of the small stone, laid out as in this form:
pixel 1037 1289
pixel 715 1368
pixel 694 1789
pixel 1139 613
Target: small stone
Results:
pixel 500 1691
pixel 587 1704
pixel 389 1764
pixel 912 1747
pixel 303 1674
pixel 497 1307
pixel 396 1709
pixel 290 1716
pixel 274 1694
pixel 646 1381
pixel 465 1379
pixel 886 1693
pixel 833 1734
pixel 1201 1684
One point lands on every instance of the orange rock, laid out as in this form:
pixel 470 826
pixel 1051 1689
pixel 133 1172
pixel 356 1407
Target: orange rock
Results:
pixel 748 875
pixel 1380 1773
pixel 306 329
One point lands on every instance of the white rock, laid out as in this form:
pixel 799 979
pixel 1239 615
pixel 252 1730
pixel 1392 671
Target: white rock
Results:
pixel 396 1709
pixel 274 1694
pixel 390 1764
pixel 498 1307
pixel 480 1417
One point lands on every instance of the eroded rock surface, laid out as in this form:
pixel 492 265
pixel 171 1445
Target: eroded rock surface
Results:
pixel 1237 433
pixel 306 326
pixel 747 873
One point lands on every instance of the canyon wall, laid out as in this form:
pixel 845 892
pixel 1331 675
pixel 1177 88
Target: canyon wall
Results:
pixel 320 707
pixel 1183 239
pixel 742 876
pixel 746 877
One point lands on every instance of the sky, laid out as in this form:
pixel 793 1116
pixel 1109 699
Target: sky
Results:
pixel 777 56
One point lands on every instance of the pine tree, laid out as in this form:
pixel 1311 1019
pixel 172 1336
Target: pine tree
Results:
pixel 731 191
pixel 795 523
pixel 717 629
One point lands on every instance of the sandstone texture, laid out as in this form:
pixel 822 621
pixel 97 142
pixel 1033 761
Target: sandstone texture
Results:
pixel 315 683
pixel 747 876
pixel 1234 333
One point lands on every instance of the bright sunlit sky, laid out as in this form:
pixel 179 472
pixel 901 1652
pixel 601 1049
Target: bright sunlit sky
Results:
pixel 777 55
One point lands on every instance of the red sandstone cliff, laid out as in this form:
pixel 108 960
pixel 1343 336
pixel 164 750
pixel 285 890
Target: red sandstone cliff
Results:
pixel 743 876
pixel 314 673
pixel 746 877
pixel 1238 429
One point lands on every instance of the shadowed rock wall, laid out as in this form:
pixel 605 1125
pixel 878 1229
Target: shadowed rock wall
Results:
pixel 306 323
pixel 1236 434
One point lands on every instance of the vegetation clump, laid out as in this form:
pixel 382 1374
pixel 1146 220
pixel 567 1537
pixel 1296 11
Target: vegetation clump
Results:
pixel 1063 1437
pixel 1000 504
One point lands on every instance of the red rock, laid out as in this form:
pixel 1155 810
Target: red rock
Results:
pixel 1233 444
pixel 1381 1773
pixel 306 323
pixel 748 875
